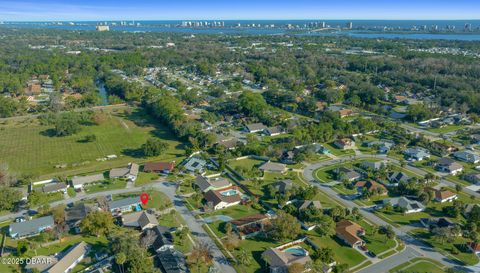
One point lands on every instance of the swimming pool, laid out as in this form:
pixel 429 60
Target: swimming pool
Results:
pixel 229 193
pixel 296 251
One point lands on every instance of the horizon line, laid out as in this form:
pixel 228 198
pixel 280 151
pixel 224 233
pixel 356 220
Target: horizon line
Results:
pixel 243 19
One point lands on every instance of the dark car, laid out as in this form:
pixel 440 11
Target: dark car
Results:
pixel 371 254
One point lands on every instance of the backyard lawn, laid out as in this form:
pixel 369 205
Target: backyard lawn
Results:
pixel 27 147
pixel 342 252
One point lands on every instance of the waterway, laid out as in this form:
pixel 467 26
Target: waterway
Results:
pixel 371 28
pixel 103 94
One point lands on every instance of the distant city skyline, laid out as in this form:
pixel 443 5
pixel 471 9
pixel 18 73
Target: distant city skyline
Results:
pixel 56 10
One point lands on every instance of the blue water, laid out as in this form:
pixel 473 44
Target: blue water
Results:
pixel 297 251
pixel 229 193
pixel 362 28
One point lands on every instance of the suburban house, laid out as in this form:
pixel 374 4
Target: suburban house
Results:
pixel 172 261
pixel 230 144
pixel 125 205
pixel 305 204
pixel 407 205
pixel 139 219
pixel 54 187
pixel 347 174
pixel 436 222
pixel 163 238
pixel 384 146
pixel 73 256
pixel 159 167
pixel 280 258
pixel 79 182
pixel 255 127
pixel 448 165
pixel 30 228
pixel 371 186
pixel 273 167
pixel 283 186
pixel 397 177
pixel 205 184
pixel 274 131
pixel 195 165
pixel 475 138
pixel 349 232
pixel 288 157
pixel 474 247
pixel 130 172
pixel 74 215
pixel 443 195
pixel 417 153
pixel 219 199
pixel 472 178
pixel 252 225
pixel 346 112
pixel 375 166
pixel 468 208
pixel 344 143
pixel 467 156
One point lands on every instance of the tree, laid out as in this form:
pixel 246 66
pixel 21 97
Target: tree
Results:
pixel 97 223
pixel 326 226
pixel 285 226
pixel 201 254
pixel 244 258
pixel 90 138
pixel 458 188
pixel 120 259
pixel 324 254
pixel 9 197
pixel 154 147
pixel 388 232
pixel 66 124
pixel 137 258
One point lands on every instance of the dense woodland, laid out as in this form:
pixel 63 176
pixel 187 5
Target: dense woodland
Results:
pixel 286 70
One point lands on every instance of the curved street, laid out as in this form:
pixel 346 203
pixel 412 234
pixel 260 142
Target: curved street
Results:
pixel 413 247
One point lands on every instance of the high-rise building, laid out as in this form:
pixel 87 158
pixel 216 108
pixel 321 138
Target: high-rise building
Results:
pixel 349 25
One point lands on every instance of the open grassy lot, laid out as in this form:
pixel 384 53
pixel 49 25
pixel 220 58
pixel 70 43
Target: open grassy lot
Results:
pixel 145 178
pixel 338 152
pixel 28 149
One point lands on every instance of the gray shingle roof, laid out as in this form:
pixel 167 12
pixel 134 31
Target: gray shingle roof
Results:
pixel 129 201
pixel 74 255
pixel 80 180
pixel 31 227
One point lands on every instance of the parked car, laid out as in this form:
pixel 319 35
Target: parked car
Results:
pixel 371 254
pixel 364 248
pixel 20 219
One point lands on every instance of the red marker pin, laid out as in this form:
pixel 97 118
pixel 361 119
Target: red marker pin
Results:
pixel 144 198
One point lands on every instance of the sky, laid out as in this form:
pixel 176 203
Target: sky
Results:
pixel 74 10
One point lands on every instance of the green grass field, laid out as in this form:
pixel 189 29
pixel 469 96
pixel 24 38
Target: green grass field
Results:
pixel 419 265
pixel 27 149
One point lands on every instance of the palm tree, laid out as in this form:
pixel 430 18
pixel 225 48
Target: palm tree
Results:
pixel 244 258
pixel 120 259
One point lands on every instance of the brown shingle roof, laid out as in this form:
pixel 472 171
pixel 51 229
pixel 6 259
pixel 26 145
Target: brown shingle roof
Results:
pixel 348 231
pixel 158 166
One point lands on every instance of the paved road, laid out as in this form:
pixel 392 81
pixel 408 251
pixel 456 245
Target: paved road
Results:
pixel 195 225
pixel 410 242
pixel 169 188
